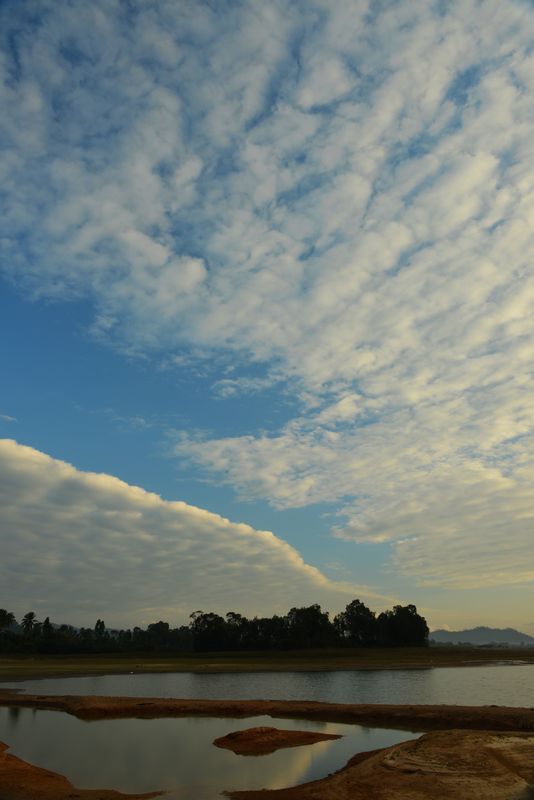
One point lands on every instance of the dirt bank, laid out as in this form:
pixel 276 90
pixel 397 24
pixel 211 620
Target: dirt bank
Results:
pixel 410 717
pixel 22 781
pixel 263 740
pixel 460 765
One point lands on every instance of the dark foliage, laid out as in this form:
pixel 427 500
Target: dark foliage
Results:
pixel 301 628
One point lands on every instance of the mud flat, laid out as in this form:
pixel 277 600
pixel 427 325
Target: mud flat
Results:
pixel 264 740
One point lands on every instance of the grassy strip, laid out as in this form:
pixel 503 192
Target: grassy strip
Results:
pixel 25 667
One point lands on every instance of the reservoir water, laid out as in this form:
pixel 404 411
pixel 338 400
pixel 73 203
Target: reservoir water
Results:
pixel 502 685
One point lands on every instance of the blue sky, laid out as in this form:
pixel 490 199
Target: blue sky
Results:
pixel 270 264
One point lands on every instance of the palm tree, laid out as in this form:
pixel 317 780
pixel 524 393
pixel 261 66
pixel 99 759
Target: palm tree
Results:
pixel 7 618
pixel 28 622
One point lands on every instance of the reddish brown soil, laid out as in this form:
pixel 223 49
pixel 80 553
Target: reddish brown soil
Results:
pixel 264 740
pixel 460 765
pixel 22 781
pixel 409 717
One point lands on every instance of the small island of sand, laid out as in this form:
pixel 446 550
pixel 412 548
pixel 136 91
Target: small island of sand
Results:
pixel 263 740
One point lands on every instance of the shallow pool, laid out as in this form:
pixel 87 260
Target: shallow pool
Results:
pixel 139 755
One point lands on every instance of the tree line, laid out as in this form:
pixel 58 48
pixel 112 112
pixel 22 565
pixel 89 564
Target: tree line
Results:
pixel 301 628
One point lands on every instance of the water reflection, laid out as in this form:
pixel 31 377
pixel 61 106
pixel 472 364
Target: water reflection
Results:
pixel 137 755
pixel 500 685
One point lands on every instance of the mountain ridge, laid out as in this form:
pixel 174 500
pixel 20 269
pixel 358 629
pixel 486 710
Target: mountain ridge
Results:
pixel 481 635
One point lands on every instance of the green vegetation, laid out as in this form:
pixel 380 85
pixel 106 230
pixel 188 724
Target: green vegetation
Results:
pixel 301 628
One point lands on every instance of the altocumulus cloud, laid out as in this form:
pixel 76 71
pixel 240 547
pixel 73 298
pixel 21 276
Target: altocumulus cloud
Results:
pixel 340 192
pixel 77 544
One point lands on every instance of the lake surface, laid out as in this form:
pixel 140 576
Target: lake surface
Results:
pixel 504 685
pixel 138 755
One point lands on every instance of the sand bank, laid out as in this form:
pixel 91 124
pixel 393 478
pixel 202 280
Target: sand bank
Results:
pixel 409 717
pixel 264 740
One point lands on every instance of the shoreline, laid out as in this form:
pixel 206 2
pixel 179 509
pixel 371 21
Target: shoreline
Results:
pixel 21 668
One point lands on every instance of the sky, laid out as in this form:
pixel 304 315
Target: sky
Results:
pixel 266 308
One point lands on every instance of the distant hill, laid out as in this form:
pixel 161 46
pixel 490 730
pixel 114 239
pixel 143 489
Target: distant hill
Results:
pixel 482 635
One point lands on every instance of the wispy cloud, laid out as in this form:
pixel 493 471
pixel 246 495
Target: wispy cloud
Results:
pixel 7 418
pixel 341 192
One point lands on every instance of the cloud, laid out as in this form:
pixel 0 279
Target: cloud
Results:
pixel 7 418
pixel 341 194
pixel 77 545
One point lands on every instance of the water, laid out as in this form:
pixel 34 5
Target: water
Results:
pixel 489 685
pixel 135 755
pixel 138 755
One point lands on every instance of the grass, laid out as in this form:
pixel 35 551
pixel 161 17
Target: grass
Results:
pixel 38 666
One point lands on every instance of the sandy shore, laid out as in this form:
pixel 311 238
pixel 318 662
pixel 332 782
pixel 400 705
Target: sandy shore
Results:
pixel 468 752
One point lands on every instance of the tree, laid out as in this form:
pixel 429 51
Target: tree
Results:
pixel 100 628
pixel 357 624
pixel 157 635
pixel 403 626
pixel 7 619
pixel 209 631
pixel 237 627
pixel 267 633
pixel 309 626
pixel 28 622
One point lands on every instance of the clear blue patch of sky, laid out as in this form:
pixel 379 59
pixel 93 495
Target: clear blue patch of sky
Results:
pixel 463 83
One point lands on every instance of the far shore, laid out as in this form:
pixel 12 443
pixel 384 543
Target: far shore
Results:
pixel 20 668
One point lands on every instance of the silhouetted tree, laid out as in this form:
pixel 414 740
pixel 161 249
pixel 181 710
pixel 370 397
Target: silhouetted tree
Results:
pixel 237 627
pixel 309 626
pixel 356 625
pixel 209 631
pixel 303 627
pixel 157 635
pixel 28 622
pixel 7 619
pixel 402 626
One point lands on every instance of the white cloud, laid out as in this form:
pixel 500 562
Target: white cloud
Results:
pixel 77 545
pixel 343 193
